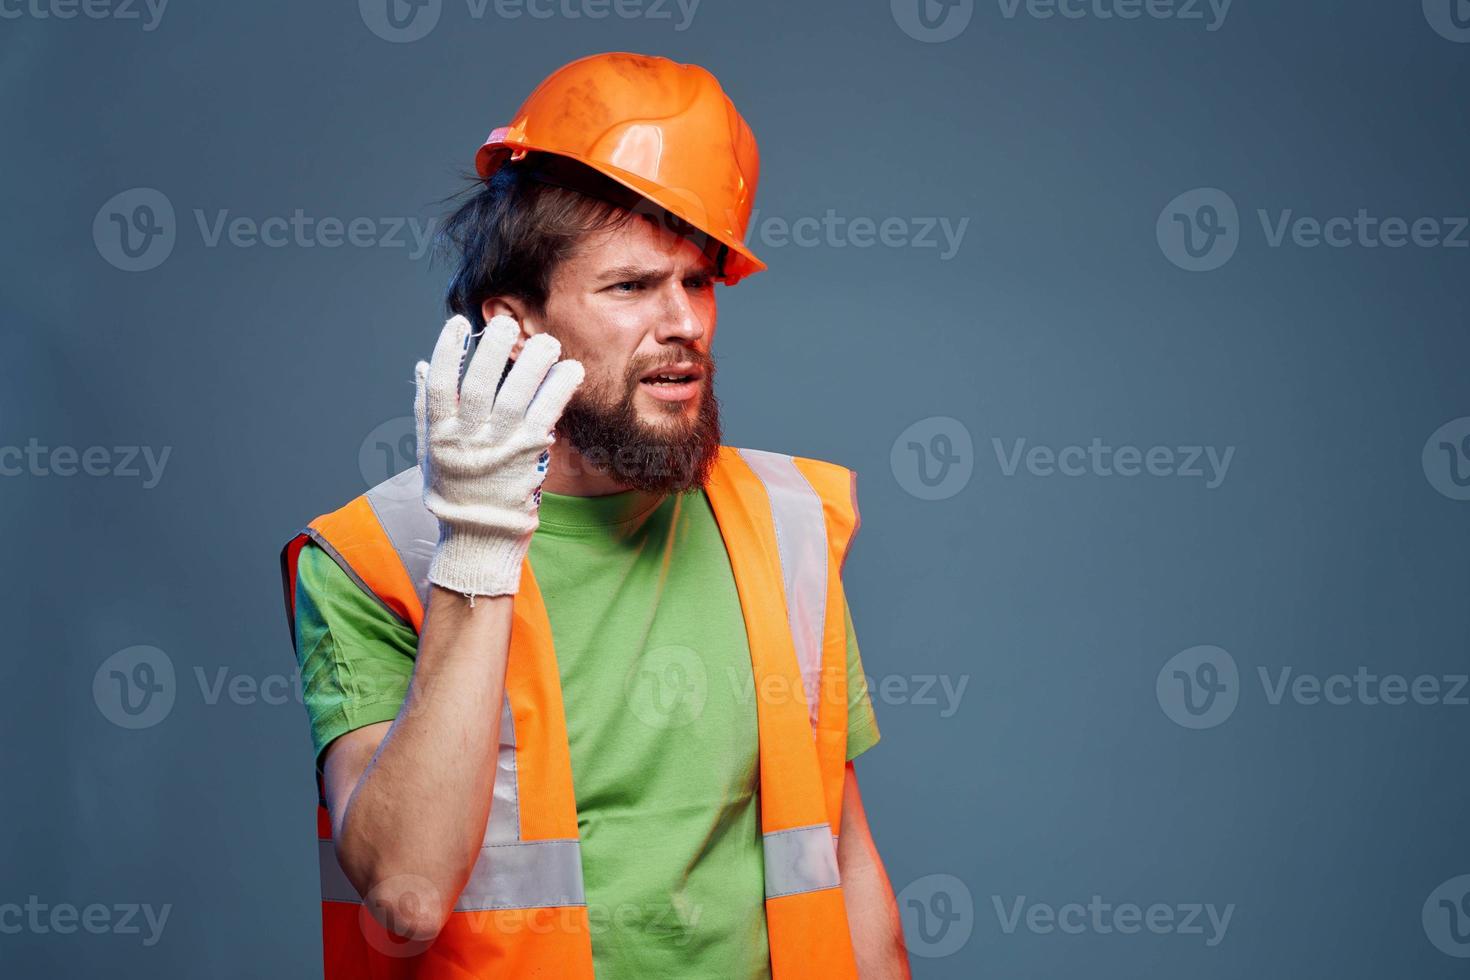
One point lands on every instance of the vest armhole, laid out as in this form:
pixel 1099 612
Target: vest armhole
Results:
pixel 836 485
pixel 320 541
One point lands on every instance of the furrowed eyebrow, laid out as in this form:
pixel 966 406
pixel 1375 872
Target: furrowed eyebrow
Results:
pixel 639 274
pixel 629 273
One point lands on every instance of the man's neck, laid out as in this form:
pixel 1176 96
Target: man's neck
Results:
pixel 570 474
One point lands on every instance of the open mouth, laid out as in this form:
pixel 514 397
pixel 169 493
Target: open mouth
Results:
pixel 658 380
pixel 674 383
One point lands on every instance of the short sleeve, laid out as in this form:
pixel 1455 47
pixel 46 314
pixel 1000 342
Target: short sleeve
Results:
pixel 862 724
pixel 356 657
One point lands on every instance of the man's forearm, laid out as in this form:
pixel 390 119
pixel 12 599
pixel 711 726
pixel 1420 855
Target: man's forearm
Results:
pixel 872 912
pixel 873 920
pixel 415 820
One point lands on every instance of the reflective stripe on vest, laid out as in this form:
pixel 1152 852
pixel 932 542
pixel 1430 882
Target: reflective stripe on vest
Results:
pixel 801 860
pixel 787 524
pixel 796 861
pixel 525 875
pixel 801 533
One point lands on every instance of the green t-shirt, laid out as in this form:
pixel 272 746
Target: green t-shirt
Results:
pixel 661 720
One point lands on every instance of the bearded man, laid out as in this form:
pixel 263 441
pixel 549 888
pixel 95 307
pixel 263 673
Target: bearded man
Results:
pixel 583 685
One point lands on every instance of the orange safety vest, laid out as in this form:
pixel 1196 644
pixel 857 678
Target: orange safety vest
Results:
pixel 787 523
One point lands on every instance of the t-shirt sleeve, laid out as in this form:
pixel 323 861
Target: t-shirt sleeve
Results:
pixel 862 724
pixel 356 657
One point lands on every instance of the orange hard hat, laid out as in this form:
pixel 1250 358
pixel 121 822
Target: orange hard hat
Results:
pixel 664 130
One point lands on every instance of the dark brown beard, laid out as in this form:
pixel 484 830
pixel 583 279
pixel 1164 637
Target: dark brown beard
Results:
pixel 603 425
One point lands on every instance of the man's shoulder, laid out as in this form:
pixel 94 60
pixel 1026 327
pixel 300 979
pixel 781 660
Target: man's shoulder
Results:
pixel 834 483
pixel 390 513
pixel 796 477
pixel 401 495
pixel 754 457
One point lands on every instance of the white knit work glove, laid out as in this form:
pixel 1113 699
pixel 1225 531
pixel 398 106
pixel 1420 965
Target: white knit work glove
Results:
pixel 484 453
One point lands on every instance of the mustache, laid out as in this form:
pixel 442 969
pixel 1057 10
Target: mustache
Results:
pixel 700 360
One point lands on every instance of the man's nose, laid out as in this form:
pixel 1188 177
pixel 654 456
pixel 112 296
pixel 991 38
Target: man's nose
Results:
pixel 678 319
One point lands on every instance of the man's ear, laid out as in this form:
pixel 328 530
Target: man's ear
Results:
pixel 516 310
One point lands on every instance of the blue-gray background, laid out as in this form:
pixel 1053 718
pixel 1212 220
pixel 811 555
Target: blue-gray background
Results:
pixel 1057 600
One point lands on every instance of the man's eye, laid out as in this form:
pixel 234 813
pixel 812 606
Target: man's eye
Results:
pixel 631 286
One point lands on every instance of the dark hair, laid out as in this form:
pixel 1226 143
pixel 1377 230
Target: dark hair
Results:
pixel 516 228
